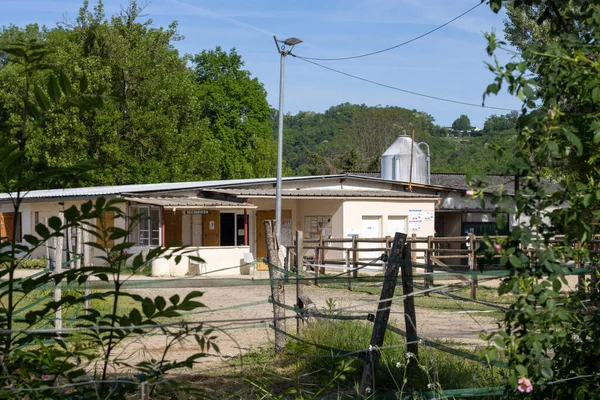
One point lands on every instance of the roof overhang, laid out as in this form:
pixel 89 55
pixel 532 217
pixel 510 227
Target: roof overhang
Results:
pixel 341 194
pixel 197 203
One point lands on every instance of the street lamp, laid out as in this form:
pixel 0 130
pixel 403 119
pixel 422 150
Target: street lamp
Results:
pixel 284 47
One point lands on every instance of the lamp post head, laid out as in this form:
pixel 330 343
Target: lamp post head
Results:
pixel 291 42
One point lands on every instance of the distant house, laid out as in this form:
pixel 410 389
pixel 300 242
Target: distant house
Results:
pixel 223 219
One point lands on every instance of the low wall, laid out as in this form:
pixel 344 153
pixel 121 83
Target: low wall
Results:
pixel 217 258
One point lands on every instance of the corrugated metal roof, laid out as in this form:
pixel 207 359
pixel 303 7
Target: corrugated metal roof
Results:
pixel 189 202
pixel 95 191
pixel 119 190
pixel 249 193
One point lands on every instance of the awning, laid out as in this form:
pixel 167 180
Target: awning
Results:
pixel 324 193
pixel 190 203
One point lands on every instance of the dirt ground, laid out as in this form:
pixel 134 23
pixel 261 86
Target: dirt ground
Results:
pixel 241 329
pixel 237 338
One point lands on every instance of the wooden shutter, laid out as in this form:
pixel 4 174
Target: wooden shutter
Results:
pixel 7 221
pixel 3 233
pixel 173 227
pixel 108 218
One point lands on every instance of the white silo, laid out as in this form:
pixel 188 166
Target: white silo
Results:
pixel 395 162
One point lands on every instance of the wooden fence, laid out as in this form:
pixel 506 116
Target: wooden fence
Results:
pixel 351 254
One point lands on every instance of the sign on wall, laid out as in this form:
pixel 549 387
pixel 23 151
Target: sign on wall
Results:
pixel 417 217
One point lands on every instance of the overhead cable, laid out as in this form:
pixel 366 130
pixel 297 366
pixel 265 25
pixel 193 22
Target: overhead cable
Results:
pixel 400 89
pixel 398 45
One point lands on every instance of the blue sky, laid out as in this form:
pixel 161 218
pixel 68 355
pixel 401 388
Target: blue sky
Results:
pixel 448 63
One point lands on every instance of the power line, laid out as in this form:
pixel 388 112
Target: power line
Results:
pixel 400 89
pixel 398 45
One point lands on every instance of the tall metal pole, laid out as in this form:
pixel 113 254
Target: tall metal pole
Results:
pixel 412 150
pixel 283 51
pixel 279 149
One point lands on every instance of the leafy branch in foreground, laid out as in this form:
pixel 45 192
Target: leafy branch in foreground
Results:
pixel 38 361
pixel 550 336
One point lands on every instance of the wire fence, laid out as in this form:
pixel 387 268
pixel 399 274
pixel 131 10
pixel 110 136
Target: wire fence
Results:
pixel 232 320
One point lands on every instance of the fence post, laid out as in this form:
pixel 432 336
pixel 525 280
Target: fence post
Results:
pixel 428 268
pixel 355 256
pixel 348 274
pixel 383 314
pixel 144 391
pixel 277 286
pixel 473 265
pixel 410 315
pixel 388 243
pixel 413 254
pixel 87 262
pixel 317 269
pixel 48 244
pixel 58 244
pixel 299 261
pixel 322 254
pixel 78 248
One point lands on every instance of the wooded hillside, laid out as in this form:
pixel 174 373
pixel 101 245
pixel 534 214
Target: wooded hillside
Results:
pixel 353 137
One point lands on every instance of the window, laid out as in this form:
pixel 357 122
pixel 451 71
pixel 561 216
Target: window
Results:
pixel 148 230
pixel 232 229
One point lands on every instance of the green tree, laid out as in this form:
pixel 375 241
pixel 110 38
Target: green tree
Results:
pixel 77 361
pixel 551 336
pixel 500 123
pixel 162 121
pixel 235 104
pixel 462 123
pixel 530 23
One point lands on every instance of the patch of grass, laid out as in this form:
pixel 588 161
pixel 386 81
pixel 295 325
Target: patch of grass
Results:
pixel 449 371
pixel 438 301
pixel 334 368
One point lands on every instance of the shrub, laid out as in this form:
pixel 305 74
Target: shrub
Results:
pixel 29 263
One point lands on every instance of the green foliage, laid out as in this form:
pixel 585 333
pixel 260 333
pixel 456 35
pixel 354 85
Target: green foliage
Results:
pixel 437 368
pixel 352 138
pixel 28 263
pixel 462 123
pixel 64 364
pixel 551 333
pixel 238 113
pixel 158 121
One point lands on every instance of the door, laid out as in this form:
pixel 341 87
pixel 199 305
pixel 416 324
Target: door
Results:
pixel 227 229
pixel 173 227
pixel 196 230
pixel 396 224
pixel 261 216
pixel 211 228
pixel 370 228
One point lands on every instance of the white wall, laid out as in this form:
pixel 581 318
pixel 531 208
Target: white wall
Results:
pixel 223 257
pixel 354 210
